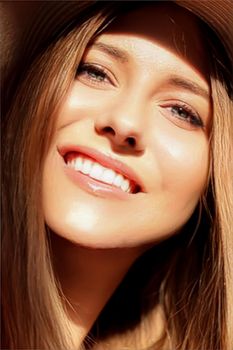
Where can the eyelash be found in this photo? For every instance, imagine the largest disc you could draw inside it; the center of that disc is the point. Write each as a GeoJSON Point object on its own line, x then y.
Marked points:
{"type": "Point", "coordinates": [190, 117]}
{"type": "Point", "coordinates": [89, 69]}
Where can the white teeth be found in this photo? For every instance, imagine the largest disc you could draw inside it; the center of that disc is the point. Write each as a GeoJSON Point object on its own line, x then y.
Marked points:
{"type": "Point", "coordinates": [71, 164]}
{"type": "Point", "coordinates": [125, 185]}
{"type": "Point", "coordinates": [98, 172]}
{"type": "Point", "coordinates": [118, 180]}
{"type": "Point", "coordinates": [78, 163]}
{"type": "Point", "coordinates": [87, 165]}
{"type": "Point", "coordinates": [108, 176]}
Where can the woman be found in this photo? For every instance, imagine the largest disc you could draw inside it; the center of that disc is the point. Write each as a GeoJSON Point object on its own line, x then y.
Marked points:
{"type": "Point", "coordinates": [117, 181]}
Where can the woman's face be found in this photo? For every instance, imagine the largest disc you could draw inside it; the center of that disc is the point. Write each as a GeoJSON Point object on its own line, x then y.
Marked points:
{"type": "Point", "coordinates": [129, 158]}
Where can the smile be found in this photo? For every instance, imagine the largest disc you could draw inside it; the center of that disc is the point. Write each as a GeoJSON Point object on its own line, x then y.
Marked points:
{"type": "Point", "coordinates": [101, 169]}
{"type": "Point", "coordinates": [98, 172]}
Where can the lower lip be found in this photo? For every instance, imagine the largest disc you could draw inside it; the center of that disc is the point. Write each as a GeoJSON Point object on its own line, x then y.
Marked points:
{"type": "Point", "coordinates": [95, 187]}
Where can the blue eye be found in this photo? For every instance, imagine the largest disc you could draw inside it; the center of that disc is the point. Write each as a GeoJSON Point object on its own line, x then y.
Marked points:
{"type": "Point", "coordinates": [186, 113]}
{"type": "Point", "coordinates": [93, 73]}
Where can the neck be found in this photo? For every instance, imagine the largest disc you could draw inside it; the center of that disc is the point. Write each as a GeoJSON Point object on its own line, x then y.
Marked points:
{"type": "Point", "coordinates": [88, 278]}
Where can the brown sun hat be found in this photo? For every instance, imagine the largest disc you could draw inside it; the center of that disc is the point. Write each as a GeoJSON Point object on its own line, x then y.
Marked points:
{"type": "Point", "coordinates": [40, 22]}
{"type": "Point", "coordinates": [218, 14]}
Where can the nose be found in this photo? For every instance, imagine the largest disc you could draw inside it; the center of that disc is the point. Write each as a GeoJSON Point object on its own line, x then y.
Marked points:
{"type": "Point", "coordinates": [124, 127]}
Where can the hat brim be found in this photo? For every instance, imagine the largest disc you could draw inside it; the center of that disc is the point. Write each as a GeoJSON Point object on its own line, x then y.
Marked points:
{"type": "Point", "coordinates": [218, 14]}
{"type": "Point", "coordinates": [46, 18]}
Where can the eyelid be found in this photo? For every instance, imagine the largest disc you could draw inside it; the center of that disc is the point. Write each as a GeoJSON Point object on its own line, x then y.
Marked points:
{"type": "Point", "coordinates": [98, 67]}
{"type": "Point", "coordinates": [189, 109]}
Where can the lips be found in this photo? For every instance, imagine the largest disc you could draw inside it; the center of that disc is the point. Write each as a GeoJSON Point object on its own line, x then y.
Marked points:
{"type": "Point", "coordinates": [125, 178]}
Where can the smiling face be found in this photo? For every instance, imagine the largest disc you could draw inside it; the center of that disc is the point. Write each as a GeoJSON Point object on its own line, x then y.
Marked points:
{"type": "Point", "coordinates": [129, 157]}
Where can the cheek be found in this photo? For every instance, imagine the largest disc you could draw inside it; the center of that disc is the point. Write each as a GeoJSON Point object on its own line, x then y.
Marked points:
{"type": "Point", "coordinates": [63, 205]}
{"type": "Point", "coordinates": [81, 103]}
{"type": "Point", "coordinates": [183, 162]}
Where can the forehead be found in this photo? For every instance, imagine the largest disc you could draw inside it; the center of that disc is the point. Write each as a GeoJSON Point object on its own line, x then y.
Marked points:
{"type": "Point", "coordinates": [167, 25]}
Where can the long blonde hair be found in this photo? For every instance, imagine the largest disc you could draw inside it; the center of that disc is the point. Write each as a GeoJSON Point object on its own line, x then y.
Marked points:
{"type": "Point", "coordinates": [187, 278]}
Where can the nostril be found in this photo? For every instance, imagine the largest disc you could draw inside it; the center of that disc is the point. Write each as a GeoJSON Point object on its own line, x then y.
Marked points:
{"type": "Point", "coordinates": [109, 130]}
{"type": "Point", "coordinates": [131, 141]}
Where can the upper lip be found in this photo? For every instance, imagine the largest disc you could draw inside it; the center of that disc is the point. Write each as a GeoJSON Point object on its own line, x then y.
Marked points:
{"type": "Point", "coordinates": [105, 160]}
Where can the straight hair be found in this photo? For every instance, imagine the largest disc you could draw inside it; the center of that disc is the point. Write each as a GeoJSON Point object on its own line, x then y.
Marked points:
{"type": "Point", "coordinates": [184, 283]}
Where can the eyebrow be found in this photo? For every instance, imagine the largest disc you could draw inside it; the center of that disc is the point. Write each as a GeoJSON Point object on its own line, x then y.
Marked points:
{"type": "Point", "coordinates": [174, 80]}
{"type": "Point", "coordinates": [115, 52]}
{"type": "Point", "coordinates": [188, 85]}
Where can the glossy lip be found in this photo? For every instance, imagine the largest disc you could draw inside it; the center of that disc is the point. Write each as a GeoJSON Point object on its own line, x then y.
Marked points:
{"type": "Point", "coordinates": [104, 160]}
{"type": "Point", "coordinates": [95, 187]}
